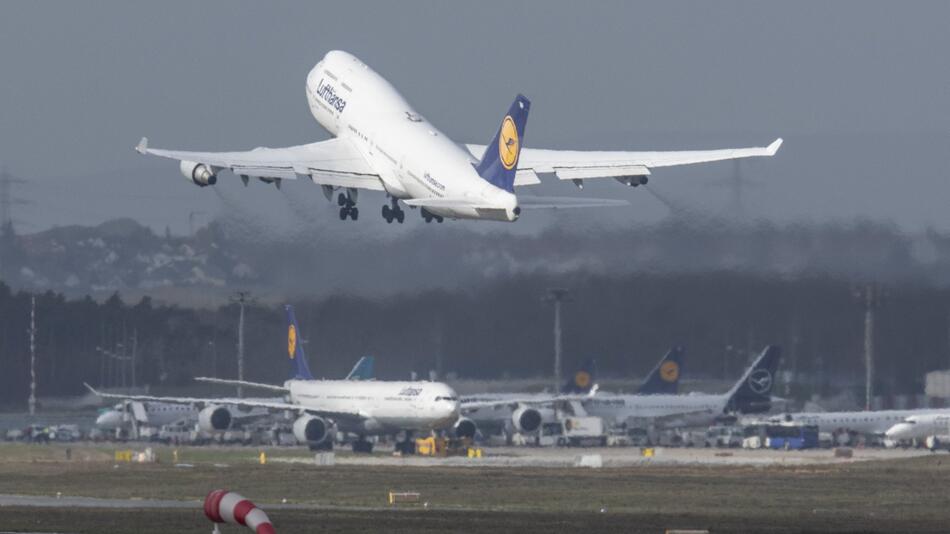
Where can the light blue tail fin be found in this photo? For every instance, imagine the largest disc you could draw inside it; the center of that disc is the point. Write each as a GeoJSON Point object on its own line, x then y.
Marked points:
{"type": "Point", "coordinates": [298, 360]}
{"type": "Point", "coordinates": [500, 161]}
{"type": "Point", "coordinates": [665, 377]}
{"type": "Point", "coordinates": [363, 370]}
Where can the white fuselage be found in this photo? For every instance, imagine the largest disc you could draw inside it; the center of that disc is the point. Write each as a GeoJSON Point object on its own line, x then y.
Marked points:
{"type": "Point", "coordinates": [665, 410]}
{"type": "Point", "coordinates": [385, 406]}
{"type": "Point", "coordinates": [156, 414]}
{"type": "Point", "coordinates": [921, 426]}
{"type": "Point", "coordinates": [868, 422]}
{"type": "Point", "coordinates": [413, 159]}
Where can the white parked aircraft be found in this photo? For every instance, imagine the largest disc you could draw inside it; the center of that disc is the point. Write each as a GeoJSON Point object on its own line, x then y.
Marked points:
{"type": "Point", "coordinates": [922, 426]}
{"type": "Point", "coordinates": [132, 414]}
{"type": "Point", "coordinates": [524, 413]}
{"type": "Point", "coordinates": [382, 144]}
{"type": "Point", "coordinates": [359, 407]}
{"type": "Point", "coordinates": [751, 394]}
{"type": "Point", "coordinates": [866, 422]}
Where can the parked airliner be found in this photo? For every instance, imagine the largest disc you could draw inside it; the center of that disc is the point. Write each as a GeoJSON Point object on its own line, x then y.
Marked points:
{"type": "Point", "coordinates": [360, 407]}
{"type": "Point", "coordinates": [751, 394]}
{"type": "Point", "coordinates": [381, 143]}
{"type": "Point", "coordinates": [922, 425]}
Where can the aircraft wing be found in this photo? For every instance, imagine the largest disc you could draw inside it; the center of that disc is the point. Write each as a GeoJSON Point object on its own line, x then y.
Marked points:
{"type": "Point", "coordinates": [242, 403]}
{"type": "Point", "coordinates": [537, 400]}
{"type": "Point", "coordinates": [335, 162]}
{"type": "Point", "coordinates": [242, 383]}
{"type": "Point", "coordinates": [583, 164]}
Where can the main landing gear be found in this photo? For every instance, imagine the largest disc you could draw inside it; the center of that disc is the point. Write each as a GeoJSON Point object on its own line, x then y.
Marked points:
{"type": "Point", "coordinates": [392, 211]}
{"type": "Point", "coordinates": [429, 217]}
{"type": "Point", "coordinates": [363, 445]}
{"type": "Point", "coordinates": [406, 446]}
{"type": "Point", "coordinates": [347, 207]}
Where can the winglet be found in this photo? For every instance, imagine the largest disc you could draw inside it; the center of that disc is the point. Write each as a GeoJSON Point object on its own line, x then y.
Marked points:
{"type": "Point", "coordinates": [142, 147]}
{"type": "Point", "coordinates": [773, 148]}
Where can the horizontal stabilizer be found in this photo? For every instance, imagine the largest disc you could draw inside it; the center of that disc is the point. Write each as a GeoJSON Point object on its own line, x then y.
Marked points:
{"type": "Point", "coordinates": [537, 203]}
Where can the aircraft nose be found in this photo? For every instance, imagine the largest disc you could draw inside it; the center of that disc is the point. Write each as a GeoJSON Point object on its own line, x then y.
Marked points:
{"type": "Point", "coordinates": [108, 419]}
{"type": "Point", "coordinates": [897, 431]}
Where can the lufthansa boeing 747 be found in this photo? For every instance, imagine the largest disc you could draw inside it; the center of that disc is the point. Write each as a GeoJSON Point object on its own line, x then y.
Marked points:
{"type": "Point", "coordinates": [382, 144]}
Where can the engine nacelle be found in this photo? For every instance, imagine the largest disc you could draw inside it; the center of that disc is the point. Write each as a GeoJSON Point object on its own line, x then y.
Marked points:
{"type": "Point", "coordinates": [200, 174]}
{"type": "Point", "coordinates": [311, 429]}
{"type": "Point", "coordinates": [465, 428]}
{"type": "Point", "coordinates": [526, 419]}
{"type": "Point", "coordinates": [214, 419]}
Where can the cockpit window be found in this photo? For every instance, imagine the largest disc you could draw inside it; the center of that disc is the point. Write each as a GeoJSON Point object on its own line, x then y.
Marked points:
{"type": "Point", "coordinates": [453, 399]}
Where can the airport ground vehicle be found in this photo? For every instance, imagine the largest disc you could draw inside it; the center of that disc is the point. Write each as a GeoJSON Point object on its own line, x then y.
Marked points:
{"type": "Point", "coordinates": [724, 436]}
{"type": "Point", "coordinates": [574, 432]}
{"type": "Point", "coordinates": [791, 436]}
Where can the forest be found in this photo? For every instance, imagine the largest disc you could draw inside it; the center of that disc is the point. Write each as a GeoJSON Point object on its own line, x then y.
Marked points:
{"type": "Point", "coordinates": [502, 328]}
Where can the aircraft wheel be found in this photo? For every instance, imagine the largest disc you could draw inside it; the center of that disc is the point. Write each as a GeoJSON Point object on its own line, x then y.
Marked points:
{"type": "Point", "coordinates": [341, 199]}
{"type": "Point", "coordinates": [354, 213]}
{"type": "Point", "coordinates": [343, 213]}
{"type": "Point", "coordinates": [400, 216]}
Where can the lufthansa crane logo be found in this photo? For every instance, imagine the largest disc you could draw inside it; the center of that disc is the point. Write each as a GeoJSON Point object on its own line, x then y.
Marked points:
{"type": "Point", "coordinates": [292, 341]}
{"type": "Point", "coordinates": [669, 371]}
{"type": "Point", "coordinates": [508, 143]}
{"type": "Point", "coordinates": [582, 379]}
{"type": "Point", "coordinates": [760, 381]}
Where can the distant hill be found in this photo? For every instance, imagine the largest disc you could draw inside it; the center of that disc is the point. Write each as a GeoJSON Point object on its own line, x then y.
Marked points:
{"type": "Point", "coordinates": [123, 255]}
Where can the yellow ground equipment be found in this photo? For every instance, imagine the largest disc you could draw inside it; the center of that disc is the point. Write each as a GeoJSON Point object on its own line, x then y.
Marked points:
{"type": "Point", "coordinates": [433, 446]}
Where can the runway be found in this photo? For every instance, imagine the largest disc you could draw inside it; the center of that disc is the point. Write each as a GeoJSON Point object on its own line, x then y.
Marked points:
{"type": "Point", "coordinates": [553, 457]}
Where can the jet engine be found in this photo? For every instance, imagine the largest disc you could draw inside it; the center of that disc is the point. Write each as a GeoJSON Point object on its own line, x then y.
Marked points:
{"type": "Point", "coordinates": [214, 419]}
{"type": "Point", "coordinates": [200, 174]}
{"type": "Point", "coordinates": [526, 419]}
{"type": "Point", "coordinates": [465, 428]}
{"type": "Point", "coordinates": [311, 429]}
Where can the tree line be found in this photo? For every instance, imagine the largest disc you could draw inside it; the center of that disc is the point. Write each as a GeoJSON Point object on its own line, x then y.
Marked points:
{"type": "Point", "coordinates": [502, 327]}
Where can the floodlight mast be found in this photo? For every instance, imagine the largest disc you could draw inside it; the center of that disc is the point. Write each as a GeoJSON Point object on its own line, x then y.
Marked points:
{"type": "Point", "coordinates": [557, 296]}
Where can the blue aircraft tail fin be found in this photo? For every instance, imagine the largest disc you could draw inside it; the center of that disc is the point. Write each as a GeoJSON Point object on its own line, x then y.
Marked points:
{"type": "Point", "coordinates": [298, 360]}
{"type": "Point", "coordinates": [500, 161]}
{"type": "Point", "coordinates": [753, 392]}
{"type": "Point", "coordinates": [363, 370]}
{"type": "Point", "coordinates": [665, 377]}
{"type": "Point", "coordinates": [583, 379]}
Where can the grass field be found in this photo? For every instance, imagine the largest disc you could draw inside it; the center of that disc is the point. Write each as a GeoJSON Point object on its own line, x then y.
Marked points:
{"type": "Point", "coordinates": [885, 496]}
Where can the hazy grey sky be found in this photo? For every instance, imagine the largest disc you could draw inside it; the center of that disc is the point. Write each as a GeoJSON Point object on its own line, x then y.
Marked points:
{"type": "Point", "coordinates": [859, 90]}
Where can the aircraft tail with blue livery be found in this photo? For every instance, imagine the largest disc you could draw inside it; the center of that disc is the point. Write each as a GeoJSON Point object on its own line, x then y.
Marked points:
{"type": "Point", "coordinates": [753, 392]}
{"type": "Point", "coordinates": [583, 380]}
{"type": "Point", "coordinates": [664, 379]}
{"type": "Point", "coordinates": [299, 370]}
{"type": "Point", "coordinates": [500, 160]}
{"type": "Point", "coordinates": [363, 370]}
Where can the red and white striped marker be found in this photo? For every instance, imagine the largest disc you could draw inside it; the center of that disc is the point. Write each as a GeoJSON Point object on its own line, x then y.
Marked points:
{"type": "Point", "coordinates": [223, 506]}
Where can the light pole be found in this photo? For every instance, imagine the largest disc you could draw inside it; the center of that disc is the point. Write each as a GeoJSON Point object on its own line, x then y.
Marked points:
{"type": "Point", "coordinates": [557, 296]}
{"type": "Point", "coordinates": [242, 297]}
{"type": "Point", "coordinates": [32, 399]}
{"type": "Point", "coordinates": [870, 297]}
